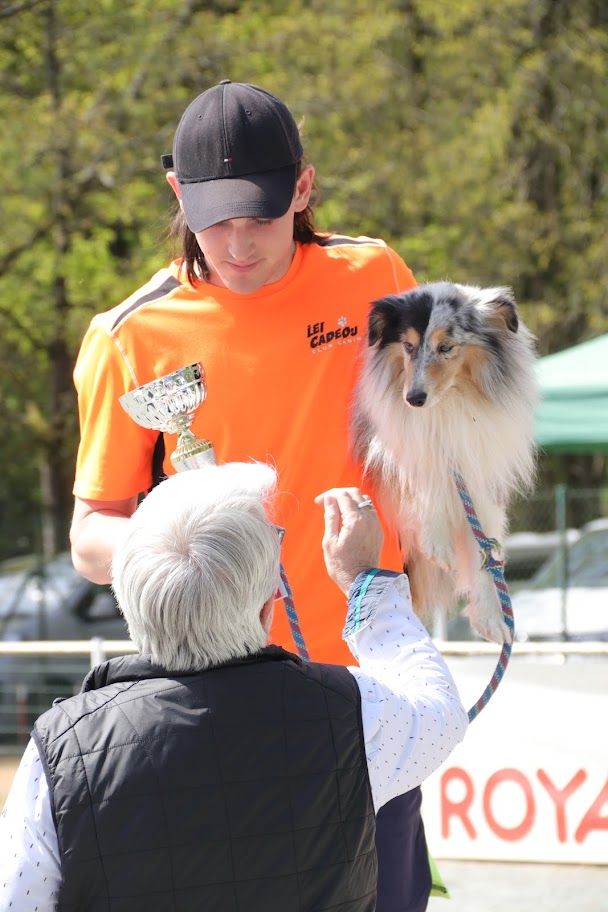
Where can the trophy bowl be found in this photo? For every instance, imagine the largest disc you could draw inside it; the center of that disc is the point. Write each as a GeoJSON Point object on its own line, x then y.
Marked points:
{"type": "Point", "coordinates": [168, 404]}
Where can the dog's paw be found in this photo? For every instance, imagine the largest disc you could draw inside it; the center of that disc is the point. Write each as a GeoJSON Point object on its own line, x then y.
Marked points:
{"type": "Point", "coordinates": [485, 613]}
{"type": "Point", "coordinates": [491, 627]}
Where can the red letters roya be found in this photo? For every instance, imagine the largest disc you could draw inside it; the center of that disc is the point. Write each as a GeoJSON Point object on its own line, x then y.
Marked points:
{"type": "Point", "coordinates": [463, 809]}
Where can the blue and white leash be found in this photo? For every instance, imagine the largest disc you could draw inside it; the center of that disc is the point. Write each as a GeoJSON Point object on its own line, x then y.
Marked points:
{"type": "Point", "coordinates": [495, 569]}
{"type": "Point", "coordinates": [489, 563]}
{"type": "Point", "coordinates": [292, 617]}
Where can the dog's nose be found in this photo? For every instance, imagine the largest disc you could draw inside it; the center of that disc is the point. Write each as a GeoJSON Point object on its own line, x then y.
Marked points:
{"type": "Point", "coordinates": [416, 397]}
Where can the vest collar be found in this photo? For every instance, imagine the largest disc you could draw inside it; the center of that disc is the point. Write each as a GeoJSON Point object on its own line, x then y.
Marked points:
{"type": "Point", "coordinates": [141, 667]}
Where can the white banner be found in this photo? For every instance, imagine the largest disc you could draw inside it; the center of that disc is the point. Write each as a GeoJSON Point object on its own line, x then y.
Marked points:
{"type": "Point", "coordinates": [530, 780]}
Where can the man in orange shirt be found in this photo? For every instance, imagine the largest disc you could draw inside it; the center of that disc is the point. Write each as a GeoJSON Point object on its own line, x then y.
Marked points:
{"type": "Point", "coordinates": [276, 313]}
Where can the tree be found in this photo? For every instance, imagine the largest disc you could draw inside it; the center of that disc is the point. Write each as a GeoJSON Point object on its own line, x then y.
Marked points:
{"type": "Point", "coordinates": [81, 127]}
{"type": "Point", "coordinates": [471, 136]}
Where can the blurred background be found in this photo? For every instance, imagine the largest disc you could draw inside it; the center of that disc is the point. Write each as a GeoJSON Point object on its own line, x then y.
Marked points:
{"type": "Point", "coordinates": [472, 136]}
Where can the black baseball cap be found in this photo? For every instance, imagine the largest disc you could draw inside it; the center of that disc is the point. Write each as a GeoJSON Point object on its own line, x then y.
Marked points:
{"type": "Point", "coordinates": [235, 153]}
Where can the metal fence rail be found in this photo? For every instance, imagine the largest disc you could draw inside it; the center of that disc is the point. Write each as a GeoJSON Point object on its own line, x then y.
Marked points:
{"type": "Point", "coordinates": [98, 649]}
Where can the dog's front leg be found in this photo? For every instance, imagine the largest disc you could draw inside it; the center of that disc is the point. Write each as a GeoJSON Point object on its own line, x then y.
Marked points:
{"type": "Point", "coordinates": [484, 609]}
{"type": "Point", "coordinates": [436, 541]}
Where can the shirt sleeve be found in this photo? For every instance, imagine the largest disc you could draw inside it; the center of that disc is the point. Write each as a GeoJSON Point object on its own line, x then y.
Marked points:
{"type": "Point", "coordinates": [411, 711]}
{"type": "Point", "coordinates": [102, 374]}
{"type": "Point", "coordinates": [31, 870]}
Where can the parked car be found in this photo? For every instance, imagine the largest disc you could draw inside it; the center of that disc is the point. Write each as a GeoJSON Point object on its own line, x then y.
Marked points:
{"type": "Point", "coordinates": [48, 603]}
{"type": "Point", "coordinates": [568, 596]}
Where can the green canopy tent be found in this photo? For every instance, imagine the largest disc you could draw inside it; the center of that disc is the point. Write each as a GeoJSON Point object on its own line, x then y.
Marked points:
{"type": "Point", "coordinates": [573, 413]}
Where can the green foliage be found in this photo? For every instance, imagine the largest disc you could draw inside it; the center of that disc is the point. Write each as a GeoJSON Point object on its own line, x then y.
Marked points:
{"type": "Point", "coordinates": [472, 136]}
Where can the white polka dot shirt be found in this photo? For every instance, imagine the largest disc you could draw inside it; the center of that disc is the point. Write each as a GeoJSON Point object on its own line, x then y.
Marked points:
{"type": "Point", "coordinates": [30, 871]}
{"type": "Point", "coordinates": [412, 714]}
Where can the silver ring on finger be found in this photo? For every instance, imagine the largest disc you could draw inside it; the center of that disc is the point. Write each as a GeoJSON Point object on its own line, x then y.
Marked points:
{"type": "Point", "coordinates": [365, 504]}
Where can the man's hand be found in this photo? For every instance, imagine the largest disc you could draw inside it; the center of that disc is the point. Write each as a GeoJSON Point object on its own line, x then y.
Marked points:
{"type": "Point", "coordinates": [353, 535]}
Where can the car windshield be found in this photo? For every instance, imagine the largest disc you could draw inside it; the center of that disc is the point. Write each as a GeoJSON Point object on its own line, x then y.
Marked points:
{"type": "Point", "coordinates": [586, 562]}
{"type": "Point", "coordinates": [23, 591]}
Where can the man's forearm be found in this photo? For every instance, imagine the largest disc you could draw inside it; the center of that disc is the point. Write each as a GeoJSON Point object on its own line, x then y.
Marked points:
{"type": "Point", "coordinates": [94, 536]}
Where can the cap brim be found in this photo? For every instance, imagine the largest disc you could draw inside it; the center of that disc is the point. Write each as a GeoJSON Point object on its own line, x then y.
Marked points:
{"type": "Point", "coordinates": [267, 195]}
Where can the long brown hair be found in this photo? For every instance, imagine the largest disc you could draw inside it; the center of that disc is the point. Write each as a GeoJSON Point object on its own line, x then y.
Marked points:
{"type": "Point", "coordinates": [193, 260]}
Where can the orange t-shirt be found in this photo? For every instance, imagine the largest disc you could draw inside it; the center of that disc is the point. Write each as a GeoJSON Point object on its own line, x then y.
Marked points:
{"type": "Point", "coordinates": [280, 366]}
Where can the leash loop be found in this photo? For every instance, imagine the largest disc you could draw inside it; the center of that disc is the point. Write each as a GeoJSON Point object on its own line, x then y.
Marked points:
{"type": "Point", "coordinates": [495, 567]}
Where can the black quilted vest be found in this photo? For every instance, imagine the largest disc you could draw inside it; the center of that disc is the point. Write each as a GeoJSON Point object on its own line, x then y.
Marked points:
{"type": "Point", "coordinates": [243, 788]}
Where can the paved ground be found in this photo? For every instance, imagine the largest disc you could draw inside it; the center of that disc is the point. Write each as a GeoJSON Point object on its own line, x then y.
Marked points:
{"type": "Point", "coordinates": [477, 886]}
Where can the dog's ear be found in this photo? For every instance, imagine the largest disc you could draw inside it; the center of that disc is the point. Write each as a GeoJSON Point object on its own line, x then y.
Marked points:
{"type": "Point", "coordinates": [384, 320]}
{"type": "Point", "coordinates": [500, 307]}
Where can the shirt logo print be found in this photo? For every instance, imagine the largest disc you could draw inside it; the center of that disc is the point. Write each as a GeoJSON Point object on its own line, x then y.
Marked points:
{"type": "Point", "coordinates": [322, 336]}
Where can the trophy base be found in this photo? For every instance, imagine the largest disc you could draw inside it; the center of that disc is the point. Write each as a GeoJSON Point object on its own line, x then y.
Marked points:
{"type": "Point", "coordinates": [194, 458]}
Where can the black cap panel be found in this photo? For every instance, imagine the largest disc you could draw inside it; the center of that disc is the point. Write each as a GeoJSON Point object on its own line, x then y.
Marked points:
{"type": "Point", "coordinates": [232, 129]}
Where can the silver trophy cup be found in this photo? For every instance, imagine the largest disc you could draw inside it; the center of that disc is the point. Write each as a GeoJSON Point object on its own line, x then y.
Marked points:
{"type": "Point", "coordinates": [168, 404]}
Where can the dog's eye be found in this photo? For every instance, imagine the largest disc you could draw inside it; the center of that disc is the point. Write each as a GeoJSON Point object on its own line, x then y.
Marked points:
{"type": "Point", "coordinates": [445, 347]}
{"type": "Point", "coordinates": [408, 347]}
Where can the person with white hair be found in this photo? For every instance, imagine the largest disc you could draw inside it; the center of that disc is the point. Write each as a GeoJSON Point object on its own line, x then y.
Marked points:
{"type": "Point", "coordinates": [212, 771]}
